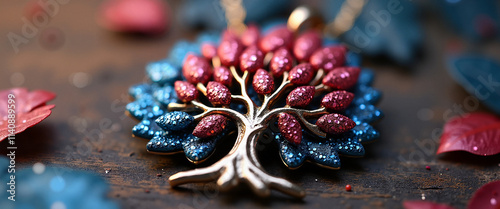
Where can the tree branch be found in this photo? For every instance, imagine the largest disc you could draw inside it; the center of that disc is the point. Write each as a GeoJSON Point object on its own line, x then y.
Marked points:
{"type": "Point", "coordinates": [301, 113]}
{"type": "Point", "coordinates": [268, 100]}
{"type": "Point", "coordinates": [243, 81]}
{"type": "Point", "coordinates": [235, 115]}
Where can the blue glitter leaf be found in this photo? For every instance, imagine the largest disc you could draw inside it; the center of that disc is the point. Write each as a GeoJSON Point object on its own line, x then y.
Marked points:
{"type": "Point", "coordinates": [165, 95]}
{"type": "Point", "coordinates": [163, 72]}
{"type": "Point", "coordinates": [323, 153]}
{"type": "Point", "coordinates": [140, 90]}
{"type": "Point", "coordinates": [365, 132]}
{"type": "Point", "coordinates": [143, 108]}
{"type": "Point", "coordinates": [208, 37]}
{"type": "Point", "coordinates": [174, 121]}
{"type": "Point", "coordinates": [364, 113]}
{"type": "Point", "coordinates": [366, 77]}
{"type": "Point", "coordinates": [197, 149]}
{"type": "Point", "coordinates": [366, 95]}
{"type": "Point", "coordinates": [180, 50]}
{"type": "Point", "coordinates": [348, 144]}
{"type": "Point", "coordinates": [352, 59]}
{"type": "Point", "coordinates": [147, 129]}
{"type": "Point", "coordinates": [291, 154]}
{"type": "Point", "coordinates": [170, 142]}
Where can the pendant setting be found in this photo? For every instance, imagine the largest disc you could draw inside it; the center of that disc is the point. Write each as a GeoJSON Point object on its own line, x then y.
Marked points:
{"type": "Point", "coordinates": [322, 107]}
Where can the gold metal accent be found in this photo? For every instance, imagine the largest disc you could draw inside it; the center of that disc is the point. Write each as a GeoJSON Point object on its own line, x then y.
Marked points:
{"type": "Point", "coordinates": [241, 164]}
{"type": "Point", "coordinates": [346, 17]}
{"type": "Point", "coordinates": [235, 15]}
{"type": "Point", "coordinates": [304, 17]}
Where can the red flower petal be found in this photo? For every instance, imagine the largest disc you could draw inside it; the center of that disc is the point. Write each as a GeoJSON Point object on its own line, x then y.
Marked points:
{"type": "Point", "coordinates": [251, 59]}
{"type": "Point", "coordinates": [486, 197]}
{"type": "Point", "coordinates": [262, 82]}
{"type": "Point", "coordinates": [477, 133]}
{"type": "Point", "coordinates": [301, 96]}
{"type": "Point", "coordinates": [290, 128]}
{"type": "Point", "coordinates": [29, 106]}
{"type": "Point", "coordinates": [196, 69]}
{"type": "Point", "coordinates": [306, 44]}
{"type": "Point", "coordinates": [419, 204]}
{"type": "Point", "coordinates": [185, 91]}
{"type": "Point", "coordinates": [278, 37]}
{"type": "Point", "coordinates": [142, 16]}
{"type": "Point", "coordinates": [218, 94]}
{"type": "Point", "coordinates": [282, 61]}
{"type": "Point", "coordinates": [210, 126]}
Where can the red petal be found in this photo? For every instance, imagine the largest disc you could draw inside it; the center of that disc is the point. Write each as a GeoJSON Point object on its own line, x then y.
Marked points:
{"type": "Point", "coordinates": [26, 120]}
{"type": "Point", "coordinates": [223, 75]}
{"type": "Point", "coordinates": [290, 128]}
{"type": "Point", "coordinates": [185, 91]}
{"type": "Point", "coordinates": [486, 197]}
{"type": "Point", "coordinates": [210, 126]}
{"type": "Point", "coordinates": [301, 96]}
{"type": "Point", "coordinates": [342, 77]}
{"type": "Point", "coordinates": [477, 133]}
{"type": "Point", "coordinates": [335, 123]}
{"type": "Point", "coordinates": [250, 36]}
{"type": "Point", "coordinates": [328, 58]}
{"type": "Point", "coordinates": [251, 59]}
{"type": "Point", "coordinates": [279, 37]}
{"type": "Point", "coordinates": [306, 44]}
{"type": "Point", "coordinates": [218, 94]}
{"type": "Point", "coordinates": [282, 61]}
{"type": "Point", "coordinates": [337, 100]}
{"type": "Point", "coordinates": [25, 101]}
{"type": "Point", "coordinates": [208, 51]}
{"type": "Point", "coordinates": [143, 16]}
{"type": "Point", "coordinates": [230, 49]}
{"type": "Point", "coordinates": [301, 74]}
{"type": "Point", "coordinates": [262, 82]}
{"type": "Point", "coordinates": [418, 204]}
{"type": "Point", "coordinates": [196, 69]}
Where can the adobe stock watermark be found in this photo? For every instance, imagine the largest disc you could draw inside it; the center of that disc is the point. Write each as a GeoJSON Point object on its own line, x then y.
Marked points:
{"type": "Point", "coordinates": [30, 28]}
{"type": "Point", "coordinates": [381, 19]}
{"type": "Point", "coordinates": [11, 148]}
{"type": "Point", "coordinates": [427, 147]}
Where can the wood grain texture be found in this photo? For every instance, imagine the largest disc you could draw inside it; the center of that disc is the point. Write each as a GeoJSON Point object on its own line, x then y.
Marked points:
{"type": "Point", "coordinates": [88, 130]}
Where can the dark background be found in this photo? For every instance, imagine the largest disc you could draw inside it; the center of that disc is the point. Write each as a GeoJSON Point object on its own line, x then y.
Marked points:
{"type": "Point", "coordinates": [88, 130]}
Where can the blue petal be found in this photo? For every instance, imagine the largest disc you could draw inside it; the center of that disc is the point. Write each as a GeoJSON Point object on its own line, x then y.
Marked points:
{"type": "Point", "coordinates": [323, 153]}
{"type": "Point", "coordinates": [165, 95]}
{"type": "Point", "coordinates": [292, 155]}
{"type": "Point", "coordinates": [349, 144]}
{"type": "Point", "coordinates": [363, 113]}
{"type": "Point", "coordinates": [365, 132]}
{"type": "Point", "coordinates": [197, 149]}
{"type": "Point", "coordinates": [366, 95]}
{"type": "Point", "coordinates": [147, 129]}
{"type": "Point", "coordinates": [174, 121]}
{"type": "Point", "coordinates": [163, 72]}
{"type": "Point", "coordinates": [170, 142]}
{"type": "Point", "coordinates": [180, 50]}
{"type": "Point", "coordinates": [143, 108]}
{"type": "Point", "coordinates": [366, 77]}
{"type": "Point", "coordinates": [140, 90]}
{"type": "Point", "coordinates": [353, 59]}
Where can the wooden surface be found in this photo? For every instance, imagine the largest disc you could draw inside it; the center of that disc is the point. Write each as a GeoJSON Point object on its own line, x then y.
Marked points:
{"type": "Point", "coordinates": [88, 130]}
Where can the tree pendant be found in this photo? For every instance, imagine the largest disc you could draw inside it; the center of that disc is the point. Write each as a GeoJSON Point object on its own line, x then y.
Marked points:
{"type": "Point", "coordinates": [242, 82]}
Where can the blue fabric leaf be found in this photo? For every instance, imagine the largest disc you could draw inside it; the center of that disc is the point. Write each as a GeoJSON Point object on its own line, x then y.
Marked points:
{"type": "Point", "coordinates": [479, 76]}
{"type": "Point", "coordinates": [365, 132]}
{"type": "Point", "coordinates": [147, 129]}
{"type": "Point", "coordinates": [323, 153]}
{"type": "Point", "coordinates": [144, 108]}
{"type": "Point", "coordinates": [291, 154]}
{"type": "Point", "coordinates": [174, 121]}
{"type": "Point", "coordinates": [197, 149]}
{"type": "Point", "coordinates": [170, 142]}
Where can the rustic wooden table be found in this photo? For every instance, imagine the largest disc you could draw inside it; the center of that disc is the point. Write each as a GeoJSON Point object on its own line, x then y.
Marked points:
{"type": "Point", "coordinates": [92, 69]}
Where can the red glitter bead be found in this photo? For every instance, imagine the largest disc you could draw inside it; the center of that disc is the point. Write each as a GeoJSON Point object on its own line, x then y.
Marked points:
{"type": "Point", "coordinates": [348, 188]}
{"type": "Point", "coordinates": [328, 58]}
{"type": "Point", "coordinates": [210, 126]}
{"type": "Point", "coordinates": [251, 59]}
{"type": "Point", "coordinates": [262, 82]}
{"type": "Point", "coordinates": [208, 51]}
{"type": "Point", "coordinates": [218, 94]}
{"type": "Point", "coordinates": [427, 167]}
{"type": "Point", "coordinates": [335, 123]}
{"type": "Point", "coordinates": [337, 100]}
{"type": "Point", "coordinates": [185, 91]}
{"type": "Point", "coordinates": [230, 49]}
{"type": "Point", "coordinates": [223, 75]}
{"type": "Point", "coordinates": [250, 36]}
{"type": "Point", "coordinates": [290, 128]}
{"type": "Point", "coordinates": [280, 36]}
{"type": "Point", "coordinates": [306, 44]}
{"type": "Point", "coordinates": [342, 77]}
{"type": "Point", "coordinates": [196, 69]}
{"type": "Point", "coordinates": [301, 96]}
{"type": "Point", "coordinates": [282, 61]}
{"type": "Point", "coordinates": [301, 74]}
